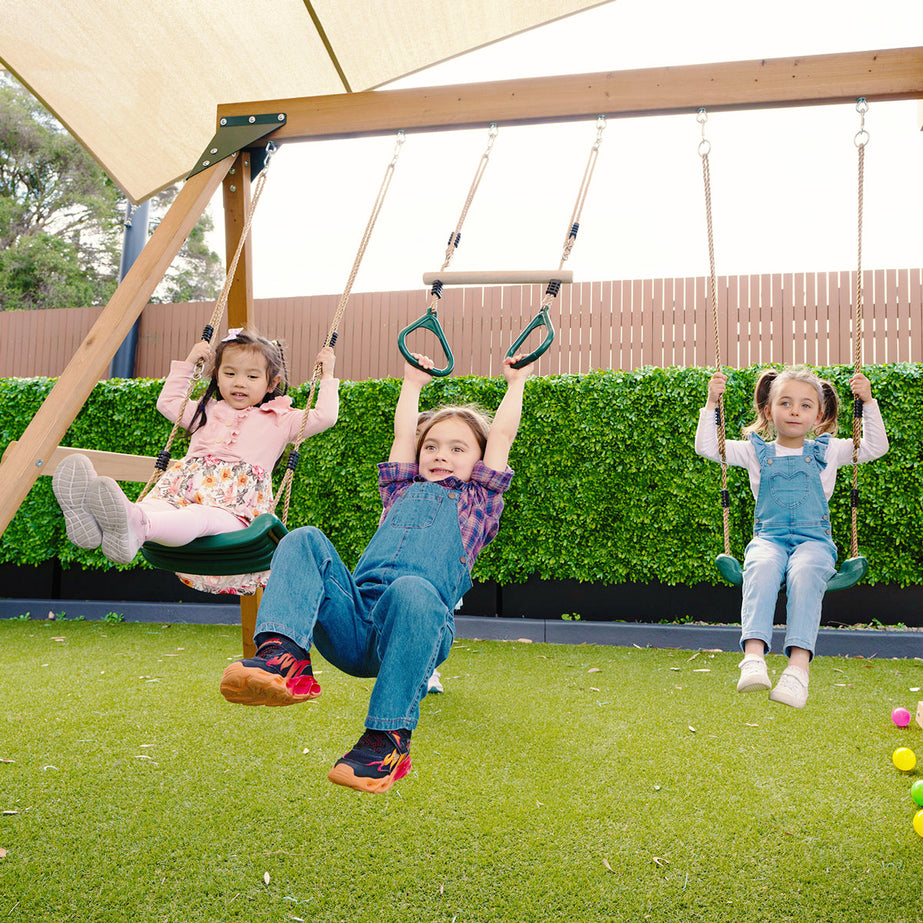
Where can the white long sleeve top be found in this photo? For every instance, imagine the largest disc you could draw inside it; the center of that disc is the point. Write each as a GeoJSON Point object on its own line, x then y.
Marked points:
{"type": "Point", "coordinates": [740, 452]}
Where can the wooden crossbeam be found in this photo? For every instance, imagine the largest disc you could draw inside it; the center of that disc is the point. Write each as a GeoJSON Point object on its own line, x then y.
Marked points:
{"type": "Point", "coordinates": [889, 74]}
{"type": "Point", "coordinates": [117, 465]}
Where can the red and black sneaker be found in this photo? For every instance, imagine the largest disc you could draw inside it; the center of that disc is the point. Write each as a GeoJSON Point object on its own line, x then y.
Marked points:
{"type": "Point", "coordinates": [279, 674]}
{"type": "Point", "coordinates": [377, 761]}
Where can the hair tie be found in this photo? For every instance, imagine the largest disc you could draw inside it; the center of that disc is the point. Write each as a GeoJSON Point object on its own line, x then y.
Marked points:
{"type": "Point", "coordinates": [232, 333]}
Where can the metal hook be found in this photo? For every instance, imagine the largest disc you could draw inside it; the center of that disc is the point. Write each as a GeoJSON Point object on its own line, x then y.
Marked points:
{"type": "Point", "coordinates": [861, 138]}
{"type": "Point", "coordinates": [401, 138]}
{"type": "Point", "coordinates": [704, 145]}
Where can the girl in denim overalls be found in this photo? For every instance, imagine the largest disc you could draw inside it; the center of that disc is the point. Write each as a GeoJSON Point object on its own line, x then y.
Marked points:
{"type": "Point", "coordinates": [792, 479]}
{"type": "Point", "coordinates": [392, 617]}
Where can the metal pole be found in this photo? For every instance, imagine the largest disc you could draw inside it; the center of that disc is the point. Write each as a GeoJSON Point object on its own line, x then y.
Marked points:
{"type": "Point", "coordinates": [133, 241]}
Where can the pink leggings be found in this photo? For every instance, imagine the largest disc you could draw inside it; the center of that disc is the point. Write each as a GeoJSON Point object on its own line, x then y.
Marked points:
{"type": "Point", "coordinates": [170, 525]}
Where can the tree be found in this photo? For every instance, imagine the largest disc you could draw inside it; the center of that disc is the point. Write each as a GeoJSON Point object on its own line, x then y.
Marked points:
{"type": "Point", "coordinates": [197, 272]}
{"type": "Point", "coordinates": [61, 219]}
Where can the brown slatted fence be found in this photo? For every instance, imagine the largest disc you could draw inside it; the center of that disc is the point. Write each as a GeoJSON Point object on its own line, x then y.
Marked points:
{"type": "Point", "coordinates": [620, 324]}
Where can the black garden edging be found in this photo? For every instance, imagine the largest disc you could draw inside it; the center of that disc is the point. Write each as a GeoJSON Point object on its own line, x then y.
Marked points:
{"type": "Point", "coordinates": [831, 641]}
{"type": "Point", "coordinates": [622, 614]}
{"type": "Point", "coordinates": [531, 600]}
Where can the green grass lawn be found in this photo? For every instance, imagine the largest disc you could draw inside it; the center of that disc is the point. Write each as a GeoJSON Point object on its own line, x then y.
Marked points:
{"type": "Point", "coordinates": [549, 783]}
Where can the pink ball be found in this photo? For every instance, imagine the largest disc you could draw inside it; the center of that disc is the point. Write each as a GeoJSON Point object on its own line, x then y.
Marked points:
{"type": "Point", "coordinates": [901, 717]}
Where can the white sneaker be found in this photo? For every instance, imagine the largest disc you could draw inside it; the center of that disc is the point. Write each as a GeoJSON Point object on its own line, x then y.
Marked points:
{"type": "Point", "coordinates": [70, 482]}
{"type": "Point", "coordinates": [753, 674]}
{"type": "Point", "coordinates": [792, 688]}
{"type": "Point", "coordinates": [121, 521]}
{"type": "Point", "coordinates": [434, 684]}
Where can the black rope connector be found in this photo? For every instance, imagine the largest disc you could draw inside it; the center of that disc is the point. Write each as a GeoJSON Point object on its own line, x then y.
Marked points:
{"type": "Point", "coordinates": [718, 416]}
{"type": "Point", "coordinates": [554, 286]}
{"type": "Point", "coordinates": [292, 462]}
{"type": "Point", "coordinates": [163, 460]}
{"type": "Point", "coordinates": [573, 230]}
{"type": "Point", "coordinates": [207, 333]}
{"type": "Point", "coordinates": [454, 238]}
{"type": "Point", "coordinates": [437, 289]}
{"type": "Point", "coordinates": [857, 408]}
{"type": "Point", "coordinates": [854, 498]}
{"type": "Point", "coordinates": [333, 339]}
{"type": "Point", "coordinates": [726, 499]}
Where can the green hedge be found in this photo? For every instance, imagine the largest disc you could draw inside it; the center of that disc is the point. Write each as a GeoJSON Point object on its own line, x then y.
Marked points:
{"type": "Point", "coordinates": [607, 487]}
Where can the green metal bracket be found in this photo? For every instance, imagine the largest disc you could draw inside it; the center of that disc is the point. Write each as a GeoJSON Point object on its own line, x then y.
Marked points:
{"type": "Point", "coordinates": [235, 133]}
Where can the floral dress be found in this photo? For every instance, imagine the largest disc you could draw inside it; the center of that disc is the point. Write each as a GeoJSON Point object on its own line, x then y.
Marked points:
{"type": "Point", "coordinates": [238, 487]}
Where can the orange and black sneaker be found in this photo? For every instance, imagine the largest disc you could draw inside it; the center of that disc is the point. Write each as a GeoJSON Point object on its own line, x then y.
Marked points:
{"type": "Point", "coordinates": [377, 761]}
{"type": "Point", "coordinates": [279, 674]}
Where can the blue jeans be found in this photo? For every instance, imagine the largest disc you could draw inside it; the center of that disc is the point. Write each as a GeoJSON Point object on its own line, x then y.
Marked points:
{"type": "Point", "coordinates": [390, 620]}
{"type": "Point", "coordinates": [804, 568]}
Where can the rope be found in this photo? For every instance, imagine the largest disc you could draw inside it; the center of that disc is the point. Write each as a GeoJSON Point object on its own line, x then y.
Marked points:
{"type": "Point", "coordinates": [574, 225]}
{"type": "Point", "coordinates": [704, 150]}
{"type": "Point", "coordinates": [455, 236]}
{"type": "Point", "coordinates": [860, 140]}
{"type": "Point", "coordinates": [285, 488]}
{"type": "Point", "coordinates": [164, 457]}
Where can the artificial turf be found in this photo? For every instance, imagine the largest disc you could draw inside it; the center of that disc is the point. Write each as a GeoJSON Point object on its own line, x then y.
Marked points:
{"type": "Point", "coordinates": [549, 783]}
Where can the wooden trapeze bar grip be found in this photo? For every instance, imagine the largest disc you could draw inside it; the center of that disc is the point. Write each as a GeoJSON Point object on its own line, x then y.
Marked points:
{"type": "Point", "coordinates": [499, 277]}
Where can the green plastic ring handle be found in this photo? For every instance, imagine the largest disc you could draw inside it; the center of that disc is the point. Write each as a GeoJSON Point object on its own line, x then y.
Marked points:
{"type": "Point", "coordinates": [428, 321]}
{"type": "Point", "coordinates": [540, 320]}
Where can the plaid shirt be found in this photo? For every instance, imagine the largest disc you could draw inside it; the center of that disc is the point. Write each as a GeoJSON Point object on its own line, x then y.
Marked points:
{"type": "Point", "coordinates": [480, 500]}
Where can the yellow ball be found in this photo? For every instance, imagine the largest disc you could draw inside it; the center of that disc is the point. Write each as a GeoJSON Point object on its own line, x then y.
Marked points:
{"type": "Point", "coordinates": [904, 758]}
{"type": "Point", "coordinates": [918, 822]}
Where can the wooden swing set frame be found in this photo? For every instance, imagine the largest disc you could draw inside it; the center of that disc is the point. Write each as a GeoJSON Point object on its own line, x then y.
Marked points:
{"type": "Point", "coordinates": [886, 75]}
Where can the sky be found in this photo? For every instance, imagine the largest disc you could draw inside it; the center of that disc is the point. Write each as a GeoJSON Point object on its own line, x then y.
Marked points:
{"type": "Point", "coordinates": [784, 181]}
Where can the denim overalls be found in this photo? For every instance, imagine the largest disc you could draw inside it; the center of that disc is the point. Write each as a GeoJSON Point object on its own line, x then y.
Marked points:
{"type": "Point", "coordinates": [791, 544]}
{"type": "Point", "coordinates": [392, 617]}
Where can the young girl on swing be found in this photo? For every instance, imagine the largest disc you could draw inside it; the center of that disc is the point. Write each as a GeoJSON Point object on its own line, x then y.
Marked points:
{"type": "Point", "coordinates": [238, 431]}
{"type": "Point", "coordinates": [792, 478]}
{"type": "Point", "coordinates": [392, 617]}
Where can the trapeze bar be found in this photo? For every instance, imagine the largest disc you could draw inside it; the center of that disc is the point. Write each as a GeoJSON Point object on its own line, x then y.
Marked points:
{"type": "Point", "coordinates": [499, 277]}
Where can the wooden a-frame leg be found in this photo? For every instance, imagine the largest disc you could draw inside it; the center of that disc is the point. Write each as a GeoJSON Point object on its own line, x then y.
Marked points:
{"type": "Point", "coordinates": [240, 313]}
{"type": "Point", "coordinates": [248, 609]}
{"type": "Point", "coordinates": [21, 467]}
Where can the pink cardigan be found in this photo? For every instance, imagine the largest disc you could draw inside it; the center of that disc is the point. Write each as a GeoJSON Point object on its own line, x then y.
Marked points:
{"type": "Point", "coordinates": [256, 435]}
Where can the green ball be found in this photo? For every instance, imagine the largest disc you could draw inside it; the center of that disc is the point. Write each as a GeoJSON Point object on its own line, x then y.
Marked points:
{"type": "Point", "coordinates": [916, 791]}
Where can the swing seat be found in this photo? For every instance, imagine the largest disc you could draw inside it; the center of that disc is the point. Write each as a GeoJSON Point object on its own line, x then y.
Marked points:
{"type": "Point", "coordinates": [850, 573]}
{"type": "Point", "coordinates": [247, 551]}
{"type": "Point", "coordinates": [729, 568]}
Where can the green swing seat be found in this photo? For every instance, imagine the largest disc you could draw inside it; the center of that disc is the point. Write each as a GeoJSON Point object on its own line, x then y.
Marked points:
{"type": "Point", "coordinates": [850, 573]}
{"type": "Point", "coordinates": [247, 551]}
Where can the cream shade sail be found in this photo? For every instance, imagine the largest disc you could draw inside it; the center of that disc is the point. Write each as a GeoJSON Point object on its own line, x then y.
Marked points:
{"type": "Point", "coordinates": [138, 83]}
